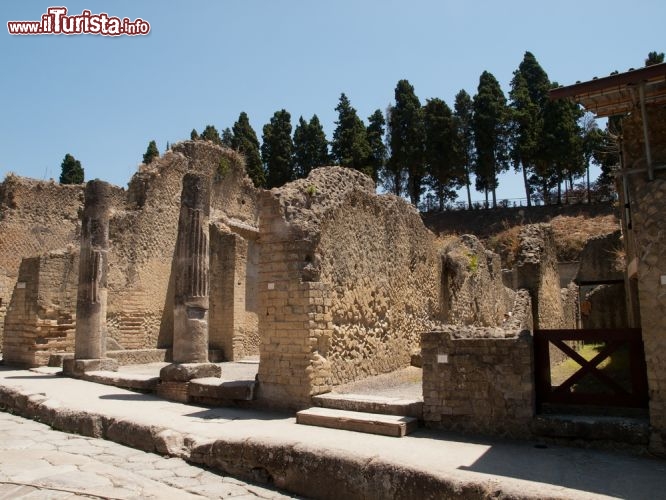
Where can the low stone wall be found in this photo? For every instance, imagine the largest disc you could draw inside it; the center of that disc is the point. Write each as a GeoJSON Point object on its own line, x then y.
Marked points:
{"type": "Point", "coordinates": [481, 380]}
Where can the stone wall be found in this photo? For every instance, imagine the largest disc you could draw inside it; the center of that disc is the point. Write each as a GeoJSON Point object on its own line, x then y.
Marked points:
{"type": "Point", "coordinates": [347, 282]}
{"type": "Point", "coordinates": [481, 380]}
{"type": "Point", "coordinates": [41, 316]}
{"type": "Point", "coordinates": [605, 306]}
{"type": "Point", "coordinates": [40, 216]}
{"type": "Point", "coordinates": [35, 217]}
{"type": "Point", "coordinates": [143, 237]}
{"type": "Point", "coordinates": [473, 292]}
{"type": "Point", "coordinates": [601, 259]}
{"type": "Point", "coordinates": [536, 271]}
{"type": "Point", "coordinates": [233, 294]}
{"type": "Point", "coordinates": [647, 205]}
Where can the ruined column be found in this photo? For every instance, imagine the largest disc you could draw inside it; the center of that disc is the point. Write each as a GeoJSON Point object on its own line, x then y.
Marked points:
{"type": "Point", "coordinates": [190, 335]}
{"type": "Point", "coordinates": [90, 337]}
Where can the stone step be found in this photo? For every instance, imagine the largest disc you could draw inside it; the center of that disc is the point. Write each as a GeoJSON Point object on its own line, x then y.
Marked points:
{"type": "Point", "coordinates": [370, 423]}
{"type": "Point", "coordinates": [216, 389]}
{"type": "Point", "coordinates": [628, 431]}
{"type": "Point", "coordinates": [371, 404]}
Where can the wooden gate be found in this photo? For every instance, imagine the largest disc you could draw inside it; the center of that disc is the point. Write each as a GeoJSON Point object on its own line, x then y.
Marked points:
{"type": "Point", "coordinates": [630, 392]}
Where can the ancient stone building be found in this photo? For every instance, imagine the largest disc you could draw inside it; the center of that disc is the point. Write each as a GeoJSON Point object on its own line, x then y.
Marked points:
{"type": "Point", "coordinates": [640, 96]}
{"type": "Point", "coordinates": [38, 217]}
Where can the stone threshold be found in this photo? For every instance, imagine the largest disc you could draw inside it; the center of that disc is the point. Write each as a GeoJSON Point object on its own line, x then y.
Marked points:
{"type": "Point", "coordinates": [371, 404]}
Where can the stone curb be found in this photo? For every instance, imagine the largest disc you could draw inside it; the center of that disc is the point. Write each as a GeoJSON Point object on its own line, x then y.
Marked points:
{"type": "Point", "coordinates": [293, 467]}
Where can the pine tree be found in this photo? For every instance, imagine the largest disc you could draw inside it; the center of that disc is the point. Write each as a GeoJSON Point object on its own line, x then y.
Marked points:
{"type": "Point", "coordinates": [310, 146]}
{"type": "Point", "coordinates": [210, 133]}
{"type": "Point", "coordinates": [244, 139]}
{"type": "Point", "coordinates": [227, 138]}
{"type": "Point", "coordinates": [151, 153]}
{"type": "Point", "coordinates": [277, 150]}
{"type": "Point", "coordinates": [490, 135]}
{"type": "Point", "coordinates": [375, 135]}
{"type": "Point", "coordinates": [464, 140]}
{"type": "Point", "coordinates": [71, 171]}
{"type": "Point", "coordinates": [350, 142]}
{"type": "Point", "coordinates": [654, 58]}
{"type": "Point", "coordinates": [406, 139]}
{"type": "Point", "coordinates": [439, 150]}
{"type": "Point", "coordinates": [562, 152]}
{"type": "Point", "coordinates": [194, 135]}
{"type": "Point", "coordinates": [529, 95]}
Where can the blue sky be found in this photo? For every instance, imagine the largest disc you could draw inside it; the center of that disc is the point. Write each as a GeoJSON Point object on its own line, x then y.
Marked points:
{"type": "Point", "coordinates": [102, 99]}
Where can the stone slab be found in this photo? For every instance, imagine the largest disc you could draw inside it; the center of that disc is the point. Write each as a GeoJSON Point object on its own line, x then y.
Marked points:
{"type": "Point", "coordinates": [133, 381]}
{"type": "Point", "coordinates": [184, 372]}
{"type": "Point", "coordinates": [79, 367]}
{"type": "Point", "coordinates": [370, 423]}
{"type": "Point", "coordinates": [215, 388]}
{"type": "Point", "coordinates": [371, 404]}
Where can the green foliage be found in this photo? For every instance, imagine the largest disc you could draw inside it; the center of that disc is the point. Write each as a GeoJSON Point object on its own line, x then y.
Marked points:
{"type": "Point", "coordinates": [375, 135]}
{"type": "Point", "coordinates": [529, 95]}
{"type": "Point", "coordinates": [463, 140]}
{"type": "Point", "coordinates": [310, 146]}
{"type": "Point", "coordinates": [311, 190]}
{"type": "Point", "coordinates": [473, 264]}
{"type": "Point", "coordinates": [406, 140]}
{"type": "Point", "coordinates": [71, 171]}
{"type": "Point", "coordinates": [244, 139]}
{"type": "Point", "coordinates": [439, 150]}
{"type": "Point", "coordinates": [194, 135]}
{"type": "Point", "coordinates": [350, 142]}
{"type": "Point", "coordinates": [490, 124]}
{"type": "Point", "coordinates": [227, 138]}
{"type": "Point", "coordinates": [277, 150]}
{"type": "Point", "coordinates": [223, 167]}
{"type": "Point", "coordinates": [151, 153]}
{"type": "Point", "coordinates": [210, 133]}
{"type": "Point", "coordinates": [654, 58]}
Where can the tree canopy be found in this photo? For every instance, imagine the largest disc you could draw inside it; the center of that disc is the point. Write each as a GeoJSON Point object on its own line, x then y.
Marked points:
{"type": "Point", "coordinates": [151, 153]}
{"type": "Point", "coordinates": [71, 171]}
{"type": "Point", "coordinates": [277, 150]}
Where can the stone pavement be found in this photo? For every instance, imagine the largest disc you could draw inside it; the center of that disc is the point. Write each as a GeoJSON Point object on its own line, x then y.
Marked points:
{"type": "Point", "coordinates": [328, 463]}
{"type": "Point", "coordinates": [39, 462]}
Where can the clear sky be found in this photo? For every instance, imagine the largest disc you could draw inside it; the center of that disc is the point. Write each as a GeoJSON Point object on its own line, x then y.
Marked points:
{"type": "Point", "coordinates": [102, 99]}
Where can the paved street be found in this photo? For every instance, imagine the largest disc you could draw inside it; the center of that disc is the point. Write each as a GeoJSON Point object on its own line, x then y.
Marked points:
{"type": "Point", "coordinates": [37, 462]}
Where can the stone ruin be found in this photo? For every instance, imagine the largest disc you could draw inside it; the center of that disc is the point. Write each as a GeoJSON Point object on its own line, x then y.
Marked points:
{"type": "Point", "coordinates": [322, 280]}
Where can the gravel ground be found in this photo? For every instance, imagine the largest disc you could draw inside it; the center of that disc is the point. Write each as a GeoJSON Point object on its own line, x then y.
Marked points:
{"type": "Point", "coordinates": [405, 383]}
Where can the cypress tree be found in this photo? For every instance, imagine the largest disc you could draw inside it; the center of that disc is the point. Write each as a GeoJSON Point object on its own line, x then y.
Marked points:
{"type": "Point", "coordinates": [375, 134]}
{"type": "Point", "coordinates": [277, 150]}
{"type": "Point", "coordinates": [71, 171]}
{"type": "Point", "coordinates": [350, 142]}
{"type": "Point", "coordinates": [406, 139]}
{"type": "Point", "coordinates": [244, 139]}
{"type": "Point", "coordinates": [151, 153]}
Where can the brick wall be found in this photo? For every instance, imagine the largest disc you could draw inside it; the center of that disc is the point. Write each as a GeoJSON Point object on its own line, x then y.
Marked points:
{"type": "Point", "coordinates": [41, 316]}
{"type": "Point", "coordinates": [347, 282]}
{"type": "Point", "coordinates": [481, 379]}
{"type": "Point", "coordinates": [233, 317]}
{"type": "Point", "coordinates": [647, 201]}
{"type": "Point", "coordinates": [35, 217]}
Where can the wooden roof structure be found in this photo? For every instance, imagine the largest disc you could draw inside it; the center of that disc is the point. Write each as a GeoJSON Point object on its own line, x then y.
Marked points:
{"type": "Point", "coordinates": [620, 93]}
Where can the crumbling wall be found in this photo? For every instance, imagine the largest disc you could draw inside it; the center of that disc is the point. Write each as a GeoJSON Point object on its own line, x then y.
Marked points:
{"type": "Point", "coordinates": [143, 237]}
{"type": "Point", "coordinates": [601, 260]}
{"type": "Point", "coordinates": [481, 379]}
{"type": "Point", "coordinates": [233, 322]}
{"type": "Point", "coordinates": [35, 217]}
{"type": "Point", "coordinates": [536, 271]}
{"type": "Point", "coordinates": [605, 306]}
{"type": "Point", "coordinates": [473, 292]}
{"type": "Point", "coordinates": [347, 281]}
{"type": "Point", "coordinates": [41, 316]}
{"type": "Point", "coordinates": [647, 206]}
